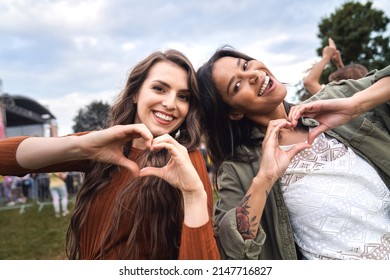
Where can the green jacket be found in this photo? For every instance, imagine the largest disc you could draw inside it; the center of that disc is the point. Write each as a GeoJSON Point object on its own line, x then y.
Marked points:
{"type": "Point", "coordinates": [368, 135]}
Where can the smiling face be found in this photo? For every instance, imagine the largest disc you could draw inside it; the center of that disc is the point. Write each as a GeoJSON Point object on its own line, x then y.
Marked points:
{"type": "Point", "coordinates": [163, 100]}
{"type": "Point", "coordinates": [249, 88]}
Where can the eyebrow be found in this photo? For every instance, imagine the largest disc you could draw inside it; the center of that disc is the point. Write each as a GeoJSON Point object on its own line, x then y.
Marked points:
{"type": "Point", "coordinates": [232, 79]}
{"type": "Point", "coordinates": [162, 82]}
{"type": "Point", "coordinates": [186, 90]}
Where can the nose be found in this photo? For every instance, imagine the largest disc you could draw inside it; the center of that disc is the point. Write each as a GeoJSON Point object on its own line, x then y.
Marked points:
{"type": "Point", "coordinates": [253, 76]}
{"type": "Point", "coordinates": [169, 101]}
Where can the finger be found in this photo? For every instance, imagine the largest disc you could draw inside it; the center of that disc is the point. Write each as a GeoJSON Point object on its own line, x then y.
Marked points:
{"type": "Point", "coordinates": [296, 149]}
{"type": "Point", "coordinates": [315, 132]}
{"type": "Point", "coordinates": [143, 131]}
{"type": "Point", "coordinates": [171, 148]}
{"type": "Point", "coordinates": [166, 138]}
{"type": "Point", "coordinates": [294, 116]}
{"type": "Point", "coordinates": [308, 110]}
{"type": "Point", "coordinates": [297, 112]}
{"type": "Point", "coordinates": [160, 141]}
{"type": "Point", "coordinates": [274, 128]}
{"type": "Point", "coordinates": [278, 124]}
{"type": "Point", "coordinates": [331, 43]}
{"type": "Point", "coordinates": [130, 165]}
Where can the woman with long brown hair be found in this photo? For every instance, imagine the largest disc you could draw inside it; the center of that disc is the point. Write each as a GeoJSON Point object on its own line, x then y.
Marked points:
{"type": "Point", "coordinates": [146, 192]}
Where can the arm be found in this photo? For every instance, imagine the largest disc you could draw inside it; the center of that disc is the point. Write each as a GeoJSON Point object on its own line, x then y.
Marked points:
{"type": "Point", "coordinates": [200, 243]}
{"type": "Point", "coordinates": [336, 59]}
{"type": "Point", "coordinates": [104, 146]}
{"type": "Point", "coordinates": [274, 163]}
{"type": "Point", "coordinates": [311, 81]}
{"type": "Point", "coordinates": [335, 112]}
{"type": "Point", "coordinates": [243, 197]}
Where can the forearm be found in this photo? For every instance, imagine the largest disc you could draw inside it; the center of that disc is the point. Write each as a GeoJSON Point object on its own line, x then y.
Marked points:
{"type": "Point", "coordinates": [372, 96]}
{"type": "Point", "coordinates": [311, 81]}
{"type": "Point", "coordinates": [251, 207]}
{"type": "Point", "coordinates": [37, 152]}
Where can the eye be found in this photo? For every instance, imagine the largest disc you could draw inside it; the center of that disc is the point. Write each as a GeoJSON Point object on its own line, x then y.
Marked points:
{"type": "Point", "coordinates": [245, 66]}
{"type": "Point", "coordinates": [158, 88]}
{"type": "Point", "coordinates": [236, 87]}
{"type": "Point", "coordinates": [184, 96]}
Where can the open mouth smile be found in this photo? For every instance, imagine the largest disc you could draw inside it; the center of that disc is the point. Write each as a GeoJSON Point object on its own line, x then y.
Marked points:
{"type": "Point", "coordinates": [264, 85]}
{"type": "Point", "coordinates": [163, 116]}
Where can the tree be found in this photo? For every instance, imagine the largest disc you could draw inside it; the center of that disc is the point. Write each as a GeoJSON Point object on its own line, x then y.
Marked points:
{"type": "Point", "coordinates": [93, 117]}
{"type": "Point", "coordinates": [358, 30]}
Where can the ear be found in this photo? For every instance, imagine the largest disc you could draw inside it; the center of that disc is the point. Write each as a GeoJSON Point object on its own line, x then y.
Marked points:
{"type": "Point", "coordinates": [236, 116]}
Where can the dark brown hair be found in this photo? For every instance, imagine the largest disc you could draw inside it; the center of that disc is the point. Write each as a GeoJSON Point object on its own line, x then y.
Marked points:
{"type": "Point", "coordinates": [146, 197]}
{"type": "Point", "coordinates": [225, 137]}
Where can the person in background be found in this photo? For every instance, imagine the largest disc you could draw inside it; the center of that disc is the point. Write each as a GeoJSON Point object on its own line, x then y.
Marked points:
{"type": "Point", "coordinates": [297, 182]}
{"type": "Point", "coordinates": [330, 53]}
{"type": "Point", "coordinates": [59, 193]}
{"type": "Point", "coordinates": [2, 190]}
{"type": "Point", "coordinates": [13, 184]}
{"type": "Point", "coordinates": [146, 193]}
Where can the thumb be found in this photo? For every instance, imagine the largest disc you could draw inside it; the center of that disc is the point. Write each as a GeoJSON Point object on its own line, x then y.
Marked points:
{"type": "Point", "coordinates": [151, 171]}
{"type": "Point", "coordinates": [315, 132]}
{"type": "Point", "coordinates": [297, 148]}
{"type": "Point", "coordinates": [130, 165]}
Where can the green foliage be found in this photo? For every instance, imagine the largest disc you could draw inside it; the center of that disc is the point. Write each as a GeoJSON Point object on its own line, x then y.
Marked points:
{"type": "Point", "coordinates": [93, 117]}
{"type": "Point", "coordinates": [357, 30]}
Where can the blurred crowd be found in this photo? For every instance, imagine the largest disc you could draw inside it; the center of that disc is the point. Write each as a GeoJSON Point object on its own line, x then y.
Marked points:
{"type": "Point", "coordinates": [33, 187]}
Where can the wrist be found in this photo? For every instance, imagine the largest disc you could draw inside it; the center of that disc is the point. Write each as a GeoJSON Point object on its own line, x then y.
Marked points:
{"type": "Point", "coordinates": [195, 208]}
{"type": "Point", "coordinates": [264, 182]}
{"type": "Point", "coordinates": [194, 197]}
{"type": "Point", "coordinates": [360, 104]}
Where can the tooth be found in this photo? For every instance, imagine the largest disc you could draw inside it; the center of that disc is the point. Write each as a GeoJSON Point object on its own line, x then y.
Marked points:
{"type": "Point", "coordinates": [164, 117]}
{"type": "Point", "coordinates": [264, 86]}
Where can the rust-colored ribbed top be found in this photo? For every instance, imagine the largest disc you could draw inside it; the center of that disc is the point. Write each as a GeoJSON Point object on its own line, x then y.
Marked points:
{"type": "Point", "coordinates": [196, 243]}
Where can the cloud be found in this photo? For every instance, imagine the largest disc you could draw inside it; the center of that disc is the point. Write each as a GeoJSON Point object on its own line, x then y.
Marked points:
{"type": "Point", "coordinates": [67, 53]}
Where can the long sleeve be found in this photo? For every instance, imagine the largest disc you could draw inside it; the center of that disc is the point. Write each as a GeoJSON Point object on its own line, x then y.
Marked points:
{"type": "Point", "coordinates": [231, 192]}
{"type": "Point", "coordinates": [10, 166]}
{"type": "Point", "coordinates": [199, 243]}
{"type": "Point", "coordinates": [8, 163]}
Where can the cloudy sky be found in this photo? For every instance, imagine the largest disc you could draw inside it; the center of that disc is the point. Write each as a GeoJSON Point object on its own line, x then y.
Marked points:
{"type": "Point", "coordinates": [68, 53]}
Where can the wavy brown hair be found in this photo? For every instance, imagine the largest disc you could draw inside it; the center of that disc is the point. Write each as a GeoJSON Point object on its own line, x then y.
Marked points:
{"type": "Point", "coordinates": [149, 208]}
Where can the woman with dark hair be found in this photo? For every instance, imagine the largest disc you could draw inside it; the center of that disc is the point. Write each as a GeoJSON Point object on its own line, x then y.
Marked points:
{"type": "Point", "coordinates": [308, 181]}
{"type": "Point", "coordinates": [146, 192]}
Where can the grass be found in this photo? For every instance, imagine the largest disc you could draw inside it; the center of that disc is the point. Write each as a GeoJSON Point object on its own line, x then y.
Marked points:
{"type": "Point", "coordinates": [35, 234]}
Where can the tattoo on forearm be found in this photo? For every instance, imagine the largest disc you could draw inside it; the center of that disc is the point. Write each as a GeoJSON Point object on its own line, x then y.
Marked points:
{"type": "Point", "coordinates": [244, 224]}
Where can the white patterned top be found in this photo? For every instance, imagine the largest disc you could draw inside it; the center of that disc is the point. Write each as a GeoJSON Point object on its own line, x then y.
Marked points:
{"type": "Point", "coordinates": [338, 205]}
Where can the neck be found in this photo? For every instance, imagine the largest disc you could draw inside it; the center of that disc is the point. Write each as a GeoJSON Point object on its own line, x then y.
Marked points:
{"type": "Point", "coordinates": [263, 120]}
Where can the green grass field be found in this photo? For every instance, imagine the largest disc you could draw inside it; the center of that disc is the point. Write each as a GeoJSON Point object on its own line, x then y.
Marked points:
{"type": "Point", "coordinates": [35, 234]}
